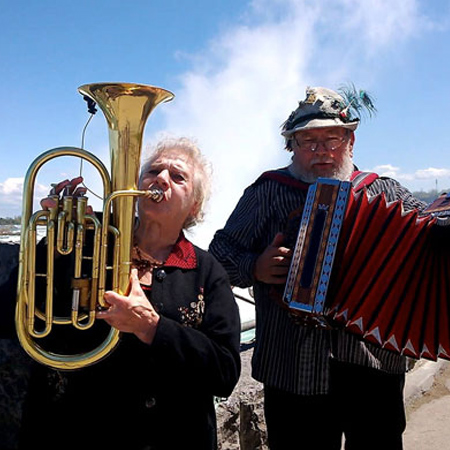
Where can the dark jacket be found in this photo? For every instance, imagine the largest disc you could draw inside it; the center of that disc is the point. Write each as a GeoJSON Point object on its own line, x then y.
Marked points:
{"type": "Point", "coordinates": [148, 396]}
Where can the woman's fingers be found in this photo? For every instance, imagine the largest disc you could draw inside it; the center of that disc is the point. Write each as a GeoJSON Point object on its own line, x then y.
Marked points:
{"type": "Point", "coordinates": [48, 202]}
{"type": "Point", "coordinates": [136, 288]}
{"type": "Point", "coordinates": [79, 191]}
{"type": "Point", "coordinates": [72, 185]}
{"type": "Point", "coordinates": [66, 187]}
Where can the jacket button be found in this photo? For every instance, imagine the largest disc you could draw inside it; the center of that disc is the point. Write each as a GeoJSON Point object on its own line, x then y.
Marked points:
{"type": "Point", "coordinates": [150, 402]}
{"type": "Point", "coordinates": [161, 274]}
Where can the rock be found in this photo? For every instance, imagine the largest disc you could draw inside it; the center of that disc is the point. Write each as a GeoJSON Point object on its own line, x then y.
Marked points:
{"type": "Point", "coordinates": [14, 366]}
{"type": "Point", "coordinates": [9, 256]}
{"type": "Point", "coordinates": [240, 418]}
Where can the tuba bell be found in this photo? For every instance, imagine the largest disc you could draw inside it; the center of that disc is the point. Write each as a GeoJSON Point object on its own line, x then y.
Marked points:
{"type": "Point", "coordinates": [126, 107]}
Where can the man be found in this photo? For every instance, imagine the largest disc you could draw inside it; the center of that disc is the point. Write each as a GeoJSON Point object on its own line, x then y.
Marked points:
{"type": "Point", "coordinates": [319, 384]}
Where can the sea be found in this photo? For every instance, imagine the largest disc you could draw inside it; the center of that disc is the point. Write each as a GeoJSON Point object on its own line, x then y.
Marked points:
{"type": "Point", "coordinates": [9, 233]}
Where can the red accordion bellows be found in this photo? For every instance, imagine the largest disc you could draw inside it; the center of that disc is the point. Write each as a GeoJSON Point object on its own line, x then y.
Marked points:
{"type": "Point", "coordinates": [390, 278]}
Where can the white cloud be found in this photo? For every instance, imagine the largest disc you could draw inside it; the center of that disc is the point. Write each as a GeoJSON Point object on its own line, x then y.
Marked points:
{"type": "Point", "coordinates": [421, 179]}
{"type": "Point", "coordinates": [11, 196]}
{"type": "Point", "coordinates": [247, 81]}
{"type": "Point", "coordinates": [386, 170]}
{"type": "Point", "coordinates": [432, 173]}
{"type": "Point", "coordinates": [11, 188]}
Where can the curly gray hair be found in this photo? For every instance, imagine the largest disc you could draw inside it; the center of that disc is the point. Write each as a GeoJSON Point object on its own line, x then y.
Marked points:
{"type": "Point", "coordinates": [202, 171]}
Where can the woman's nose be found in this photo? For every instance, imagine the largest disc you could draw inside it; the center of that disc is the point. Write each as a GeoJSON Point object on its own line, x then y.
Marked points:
{"type": "Point", "coordinates": [163, 177]}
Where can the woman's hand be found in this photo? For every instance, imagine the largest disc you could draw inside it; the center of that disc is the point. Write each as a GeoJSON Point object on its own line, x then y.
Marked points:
{"type": "Point", "coordinates": [272, 266]}
{"type": "Point", "coordinates": [66, 187]}
{"type": "Point", "coordinates": [132, 313]}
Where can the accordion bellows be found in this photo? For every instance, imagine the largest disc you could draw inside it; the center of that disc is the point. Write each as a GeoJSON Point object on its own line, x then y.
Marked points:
{"type": "Point", "coordinates": [386, 271]}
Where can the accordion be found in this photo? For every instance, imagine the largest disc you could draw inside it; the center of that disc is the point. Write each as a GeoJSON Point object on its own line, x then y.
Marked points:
{"type": "Point", "coordinates": [367, 265]}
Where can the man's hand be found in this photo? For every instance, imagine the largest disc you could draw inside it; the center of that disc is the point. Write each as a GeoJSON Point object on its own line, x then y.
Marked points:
{"type": "Point", "coordinates": [272, 266]}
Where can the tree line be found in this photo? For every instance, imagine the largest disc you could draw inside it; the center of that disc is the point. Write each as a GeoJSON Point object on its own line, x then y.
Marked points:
{"type": "Point", "coordinates": [10, 220]}
{"type": "Point", "coordinates": [429, 196]}
{"type": "Point", "coordinates": [426, 196]}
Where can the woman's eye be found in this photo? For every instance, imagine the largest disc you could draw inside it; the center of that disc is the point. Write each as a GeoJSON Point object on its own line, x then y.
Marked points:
{"type": "Point", "coordinates": [178, 177]}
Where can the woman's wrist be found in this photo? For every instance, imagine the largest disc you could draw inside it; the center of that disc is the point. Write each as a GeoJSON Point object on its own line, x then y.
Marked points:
{"type": "Point", "coordinates": [147, 334]}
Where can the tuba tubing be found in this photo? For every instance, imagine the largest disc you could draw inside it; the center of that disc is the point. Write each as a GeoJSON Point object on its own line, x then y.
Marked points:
{"type": "Point", "coordinates": [126, 107]}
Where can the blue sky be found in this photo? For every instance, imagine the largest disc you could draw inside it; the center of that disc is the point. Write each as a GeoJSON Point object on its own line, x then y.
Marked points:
{"type": "Point", "coordinates": [237, 69]}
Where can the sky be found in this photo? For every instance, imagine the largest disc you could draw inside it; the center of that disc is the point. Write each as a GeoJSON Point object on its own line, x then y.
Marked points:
{"type": "Point", "coordinates": [237, 69]}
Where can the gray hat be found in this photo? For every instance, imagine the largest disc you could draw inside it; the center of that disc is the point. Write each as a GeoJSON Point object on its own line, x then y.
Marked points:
{"type": "Point", "coordinates": [323, 107]}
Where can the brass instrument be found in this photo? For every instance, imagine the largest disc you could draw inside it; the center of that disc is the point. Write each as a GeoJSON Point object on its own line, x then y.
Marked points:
{"type": "Point", "coordinates": [126, 107]}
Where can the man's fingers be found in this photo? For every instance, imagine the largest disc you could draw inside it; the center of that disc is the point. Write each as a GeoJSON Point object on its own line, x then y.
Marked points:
{"type": "Point", "coordinates": [279, 270]}
{"type": "Point", "coordinates": [277, 240]}
{"type": "Point", "coordinates": [281, 260]}
{"type": "Point", "coordinates": [276, 280]}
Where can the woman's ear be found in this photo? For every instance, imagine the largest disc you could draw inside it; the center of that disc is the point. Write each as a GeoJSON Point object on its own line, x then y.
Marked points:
{"type": "Point", "coordinates": [195, 210]}
{"type": "Point", "coordinates": [194, 215]}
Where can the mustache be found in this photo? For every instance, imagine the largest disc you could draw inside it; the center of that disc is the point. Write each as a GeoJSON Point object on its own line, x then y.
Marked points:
{"type": "Point", "coordinates": [322, 161]}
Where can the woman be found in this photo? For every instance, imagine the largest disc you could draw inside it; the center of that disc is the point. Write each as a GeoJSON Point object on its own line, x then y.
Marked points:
{"type": "Point", "coordinates": [180, 341]}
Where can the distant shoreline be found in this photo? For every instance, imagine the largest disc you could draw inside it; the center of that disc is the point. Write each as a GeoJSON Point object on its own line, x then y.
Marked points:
{"type": "Point", "coordinates": [10, 233]}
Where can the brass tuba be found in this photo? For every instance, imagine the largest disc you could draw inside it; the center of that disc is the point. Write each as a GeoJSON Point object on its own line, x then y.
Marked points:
{"type": "Point", "coordinates": [126, 107]}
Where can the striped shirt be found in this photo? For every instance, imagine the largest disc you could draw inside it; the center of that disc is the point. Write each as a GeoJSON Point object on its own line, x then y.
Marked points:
{"type": "Point", "coordinates": [288, 356]}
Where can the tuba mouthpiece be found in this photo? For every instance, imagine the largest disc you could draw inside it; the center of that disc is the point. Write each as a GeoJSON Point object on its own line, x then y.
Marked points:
{"type": "Point", "coordinates": [156, 194]}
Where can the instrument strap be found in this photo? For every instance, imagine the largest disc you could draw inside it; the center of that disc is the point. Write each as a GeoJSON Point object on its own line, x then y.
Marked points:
{"type": "Point", "coordinates": [283, 176]}
{"type": "Point", "coordinates": [360, 179]}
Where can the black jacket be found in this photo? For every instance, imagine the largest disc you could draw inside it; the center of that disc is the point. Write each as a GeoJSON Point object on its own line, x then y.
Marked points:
{"type": "Point", "coordinates": [147, 396]}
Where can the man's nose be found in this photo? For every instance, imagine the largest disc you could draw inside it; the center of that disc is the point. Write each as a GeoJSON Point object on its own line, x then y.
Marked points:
{"type": "Point", "coordinates": [321, 147]}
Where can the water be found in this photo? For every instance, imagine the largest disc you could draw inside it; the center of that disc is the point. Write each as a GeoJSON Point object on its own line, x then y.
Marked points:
{"type": "Point", "coordinates": [246, 306]}
{"type": "Point", "coordinates": [9, 233]}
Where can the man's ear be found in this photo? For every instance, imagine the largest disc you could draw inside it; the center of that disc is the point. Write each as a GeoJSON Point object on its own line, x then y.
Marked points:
{"type": "Point", "coordinates": [352, 142]}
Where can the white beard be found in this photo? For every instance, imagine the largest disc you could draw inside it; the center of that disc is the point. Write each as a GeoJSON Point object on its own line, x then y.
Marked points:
{"type": "Point", "coordinates": [342, 172]}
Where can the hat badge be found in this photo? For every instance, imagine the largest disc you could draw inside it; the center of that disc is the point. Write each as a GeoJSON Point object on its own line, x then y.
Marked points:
{"type": "Point", "coordinates": [311, 97]}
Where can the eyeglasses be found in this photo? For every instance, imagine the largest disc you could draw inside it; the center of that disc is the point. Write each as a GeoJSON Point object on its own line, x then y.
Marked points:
{"type": "Point", "coordinates": [330, 144]}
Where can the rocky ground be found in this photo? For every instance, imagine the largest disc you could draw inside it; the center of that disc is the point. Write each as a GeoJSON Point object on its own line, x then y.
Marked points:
{"type": "Point", "coordinates": [241, 417]}
{"type": "Point", "coordinates": [428, 414]}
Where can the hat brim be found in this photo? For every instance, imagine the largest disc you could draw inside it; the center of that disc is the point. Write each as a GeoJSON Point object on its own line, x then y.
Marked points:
{"type": "Point", "coordinates": [321, 123]}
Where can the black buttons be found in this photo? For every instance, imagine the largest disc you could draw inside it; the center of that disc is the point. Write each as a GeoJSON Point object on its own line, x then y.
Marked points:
{"type": "Point", "coordinates": [161, 274]}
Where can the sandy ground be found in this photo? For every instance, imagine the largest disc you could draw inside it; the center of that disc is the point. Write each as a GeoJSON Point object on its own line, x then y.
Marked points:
{"type": "Point", "coordinates": [428, 417]}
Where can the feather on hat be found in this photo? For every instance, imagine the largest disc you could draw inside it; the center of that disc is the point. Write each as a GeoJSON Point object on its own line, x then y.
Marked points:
{"type": "Point", "coordinates": [324, 107]}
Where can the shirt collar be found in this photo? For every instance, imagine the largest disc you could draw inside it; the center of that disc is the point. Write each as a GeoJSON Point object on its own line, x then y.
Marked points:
{"type": "Point", "coordinates": [182, 255]}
